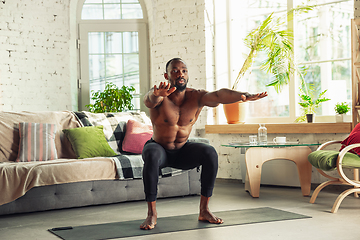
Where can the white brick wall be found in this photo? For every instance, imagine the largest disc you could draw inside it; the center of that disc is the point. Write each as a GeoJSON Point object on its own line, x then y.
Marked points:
{"type": "Point", "coordinates": [34, 63]}
{"type": "Point", "coordinates": [177, 29]}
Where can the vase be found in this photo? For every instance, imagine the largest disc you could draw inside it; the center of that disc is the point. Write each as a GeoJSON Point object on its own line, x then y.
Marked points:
{"type": "Point", "coordinates": [310, 117]}
{"type": "Point", "coordinates": [340, 117]}
{"type": "Point", "coordinates": [235, 113]}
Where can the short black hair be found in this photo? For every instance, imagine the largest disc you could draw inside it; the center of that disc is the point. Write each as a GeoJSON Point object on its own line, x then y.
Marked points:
{"type": "Point", "coordinates": [171, 60]}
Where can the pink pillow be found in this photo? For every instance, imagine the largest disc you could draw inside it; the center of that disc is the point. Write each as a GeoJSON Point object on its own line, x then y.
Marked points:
{"type": "Point", "coordinates": [136, 135]}
{"type": "Point", "coordinates": [354, 137]}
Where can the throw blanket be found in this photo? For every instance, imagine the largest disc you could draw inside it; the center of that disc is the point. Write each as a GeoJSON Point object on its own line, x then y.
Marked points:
{"type": "Point", "coordinates": [131, 166]}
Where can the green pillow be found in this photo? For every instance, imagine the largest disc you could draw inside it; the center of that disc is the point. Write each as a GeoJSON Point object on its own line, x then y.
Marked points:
{"type": "Point", "coordinates": [89, 142]}
{"type": "Point", "coordinates": [326, 160]}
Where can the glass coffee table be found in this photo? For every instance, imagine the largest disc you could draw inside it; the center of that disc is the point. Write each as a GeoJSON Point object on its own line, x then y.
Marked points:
{"type": "Point", "coordinates": [257, 154]}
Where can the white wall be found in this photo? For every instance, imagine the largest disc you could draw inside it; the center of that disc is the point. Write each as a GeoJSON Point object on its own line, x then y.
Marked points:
{"type": "Point", "coordinates": [34, 62]}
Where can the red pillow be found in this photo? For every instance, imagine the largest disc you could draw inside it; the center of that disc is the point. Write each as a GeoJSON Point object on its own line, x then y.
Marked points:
{"type": "Point", "coordinates": [353, 138]}
{"type": "Point", "coordinates": [136, 135]}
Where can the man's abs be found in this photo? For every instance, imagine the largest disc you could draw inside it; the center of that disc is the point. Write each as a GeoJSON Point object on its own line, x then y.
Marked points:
{"type": "Point", "coordinates": [171, 137]}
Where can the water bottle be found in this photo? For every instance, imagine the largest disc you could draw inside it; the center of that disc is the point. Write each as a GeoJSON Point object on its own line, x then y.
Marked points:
{"type": "Point", "coordinates": [262, 134]}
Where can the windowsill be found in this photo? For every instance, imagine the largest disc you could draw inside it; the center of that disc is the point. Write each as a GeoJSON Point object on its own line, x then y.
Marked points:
{"type": "Point", "coordinates": [344, 127]}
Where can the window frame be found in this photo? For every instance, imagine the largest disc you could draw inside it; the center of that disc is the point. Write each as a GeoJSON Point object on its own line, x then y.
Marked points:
{"type": "Point", "coordinates": [113, 25]}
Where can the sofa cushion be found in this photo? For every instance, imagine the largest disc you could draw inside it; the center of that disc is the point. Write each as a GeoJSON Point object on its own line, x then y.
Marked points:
{"type": "Point", "coordinates": [326, 160]}
{"type": "Point", "coordinates": [114, 125]}
{"type": "Point", "coordinates": [89, 142]}
{"type": "Point", "coordinates": [137, 134]}
{"type": "Point", "coordinates": [37, 142]}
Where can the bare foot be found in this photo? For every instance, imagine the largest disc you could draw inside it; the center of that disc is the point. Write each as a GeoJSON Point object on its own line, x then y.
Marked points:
{"type": "Point", "coordinates": [207, 216]}
{"type": "Point", "coordinates": [149, 223]}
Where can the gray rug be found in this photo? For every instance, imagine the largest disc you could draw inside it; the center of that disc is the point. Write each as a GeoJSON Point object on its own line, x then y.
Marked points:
{"type": "Point", "coordinates": [172, 224]}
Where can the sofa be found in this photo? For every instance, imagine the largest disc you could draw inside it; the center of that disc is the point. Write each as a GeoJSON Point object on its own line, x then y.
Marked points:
{"type": "Point", "coordinates": [43, 165]}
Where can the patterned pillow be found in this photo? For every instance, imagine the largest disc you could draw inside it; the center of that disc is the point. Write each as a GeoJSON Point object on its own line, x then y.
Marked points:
{"type": "Point", "coordinates": [137, 134]}
{"type": "Point", "coordinates": [115, 125]}
{"type": "Point", "coordinates": [37, 142]}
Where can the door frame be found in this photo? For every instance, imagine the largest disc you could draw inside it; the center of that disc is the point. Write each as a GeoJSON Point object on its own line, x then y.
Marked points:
{"type": "Point", "coordinates": [111, 26]}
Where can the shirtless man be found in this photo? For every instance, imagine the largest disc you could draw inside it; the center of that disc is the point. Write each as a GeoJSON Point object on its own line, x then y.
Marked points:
{"type": "Point", "coordinates": [174, 109]}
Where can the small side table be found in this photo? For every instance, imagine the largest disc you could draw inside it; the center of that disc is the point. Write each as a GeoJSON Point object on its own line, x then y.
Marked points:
{"type": "Point", "coordinates": [257, 155]}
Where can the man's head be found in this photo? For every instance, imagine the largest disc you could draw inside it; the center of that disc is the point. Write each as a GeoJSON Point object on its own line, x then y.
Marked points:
{"type": "Point", "coordinates": [177, 73]}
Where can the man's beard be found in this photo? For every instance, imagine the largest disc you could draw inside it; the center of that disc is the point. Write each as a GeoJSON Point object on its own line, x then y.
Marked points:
{"type": "Point", "coordinates": [182, 87]}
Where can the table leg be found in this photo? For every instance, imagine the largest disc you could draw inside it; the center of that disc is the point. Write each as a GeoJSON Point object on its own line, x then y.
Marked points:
{"type": "Point", "coordinates": [256, 157]}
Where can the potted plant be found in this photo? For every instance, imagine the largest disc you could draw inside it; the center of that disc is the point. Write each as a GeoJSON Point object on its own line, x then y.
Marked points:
{"type": "Point", "coordinates": [309, 101]}
{"type": "Point", "coordinates": [272, 38]}
{"type": "Point", "coordinates": [341, 109]}
{"type": "Point", "coordinates": [112, 99]}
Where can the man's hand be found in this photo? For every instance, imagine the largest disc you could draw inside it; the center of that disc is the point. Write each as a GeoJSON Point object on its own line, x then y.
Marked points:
{"type": "Point", "coordinates": [253, 97]}
{"type": "Point", "coordinates": [164, 90]}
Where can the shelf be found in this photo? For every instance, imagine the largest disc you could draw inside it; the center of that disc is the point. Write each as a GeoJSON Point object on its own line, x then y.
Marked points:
{"type": "Point", "coordinates": [344, 127]}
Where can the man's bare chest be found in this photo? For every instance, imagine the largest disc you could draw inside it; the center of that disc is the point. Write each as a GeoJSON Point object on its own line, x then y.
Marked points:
{"type": "Point", "coordinates": [183, 115]}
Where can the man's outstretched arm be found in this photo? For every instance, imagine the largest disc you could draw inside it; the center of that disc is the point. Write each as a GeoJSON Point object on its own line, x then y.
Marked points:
{"type": "Point", "coordinates": [225, 96]}
{"type": "Point", "coordinates": [156, 95]}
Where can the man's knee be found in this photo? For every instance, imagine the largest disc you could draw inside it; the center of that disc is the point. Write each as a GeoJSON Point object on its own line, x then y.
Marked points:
{"type": "Point", "coordinates": [152, 154]}
{"type": "Point", "coordinates": [210, 154]}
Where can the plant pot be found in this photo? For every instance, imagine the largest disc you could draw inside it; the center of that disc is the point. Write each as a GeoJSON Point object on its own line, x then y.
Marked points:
{"type": "Point", "coordinates": [235, 113]}
{"type": "Point", "coordinates": [340, 117]}
{"type": "Point", "coordinates": [310, 118]}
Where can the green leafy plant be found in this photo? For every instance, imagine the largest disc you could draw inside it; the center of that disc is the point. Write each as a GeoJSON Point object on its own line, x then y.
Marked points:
{"type": "Point", "coordinates": [342, 108]}
{"type": "Point", "coordinates": [272, 38]}
{"type": "Point", "coordinates": [112, 99]}
{"type": "Point", "coordinates": [309, 100]}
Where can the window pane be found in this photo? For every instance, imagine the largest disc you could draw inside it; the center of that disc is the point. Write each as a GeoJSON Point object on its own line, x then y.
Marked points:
{"type": "Point", "coordinates": [275, 105]}
{"type": "Point", "coordinates": [114, 68]}
{"type": "Point", "coordinates": [131, 71]}
{"type": "Point", "coordinates": [131, 64]}
{"type": "Point", "coordinates": [111, 1]}
{"type": "Point", "coordinates": [322, 36]}
{"type": "Point", "coordinates": [92, 11]}
{"type": "Point", "coordinates": [113, 42]}
{"type": "Point", "coordinates": [129, 1]}
{"type": "Point", "coordinates": [96, 72]}
{"type": "Point", "coordinates": [96, 42]}
{"type": "Point", "coordinates": [92, 1]}
{"type": "Point", "coordinates": [254, 13]}
{"type": "Point", "coordinates": [130, 42]}
{"type": "Point", "coordinates": [112, 11]}
{"type": "Point", "coordinates": [130, 11]}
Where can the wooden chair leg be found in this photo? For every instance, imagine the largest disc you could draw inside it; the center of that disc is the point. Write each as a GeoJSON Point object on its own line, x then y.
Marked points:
{"type": "Point", "coordinates": [319, 188]}
{"type": "Point", "coordinates": [341, 197]}
{"type": "Point", "coordinates": [356, 178]}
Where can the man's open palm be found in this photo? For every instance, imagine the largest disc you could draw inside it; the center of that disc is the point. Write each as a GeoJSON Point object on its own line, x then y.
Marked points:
{"type": "Point", "coordinates": [164, 90]}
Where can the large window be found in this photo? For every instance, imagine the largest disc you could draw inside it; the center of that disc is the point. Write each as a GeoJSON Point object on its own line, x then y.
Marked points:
{"type": "Point", "coordinates": [113, 47]}
{"type": "Point", "coordinates": [321, 46]}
